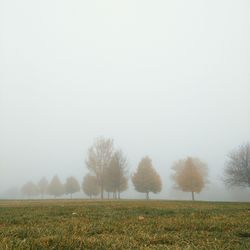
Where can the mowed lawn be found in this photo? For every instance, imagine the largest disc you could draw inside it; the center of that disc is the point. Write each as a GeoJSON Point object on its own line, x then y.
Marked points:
{"type": "Point", "coordinates": [76, 224]}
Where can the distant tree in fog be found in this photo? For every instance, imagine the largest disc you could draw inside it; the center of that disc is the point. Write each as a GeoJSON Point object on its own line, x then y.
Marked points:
{"type": "Point", "coordinates": [43, 186]}
{"type": "Point", "coordinates": [237, 170]}
{"type": "Point", "coordinates": [190, 175]}
{"type": "Point", "coordinates": [98, 160]}
{"type": "Point", "coordinates": [29, 189]}
{"type": "Point", "coordinates": [71, 186]}
{"type": "Point", "coordinates": [115, 175]}
{"type": "Point", "coordinates": [55, 187]}
{"type": "Point", "coordinates": [146, 179]}
{"type": "Point", "coordinates": [12, 192]}
{"type": "Point", "coordinates": [90, 185]}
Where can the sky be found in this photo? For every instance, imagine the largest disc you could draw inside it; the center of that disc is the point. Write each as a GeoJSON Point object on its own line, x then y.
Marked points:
{"type": "Point", "coordinates": [167, 79]}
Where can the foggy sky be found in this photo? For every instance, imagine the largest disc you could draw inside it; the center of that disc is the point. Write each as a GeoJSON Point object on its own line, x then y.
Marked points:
{"type": "Point", "coordinates": [168, 79]}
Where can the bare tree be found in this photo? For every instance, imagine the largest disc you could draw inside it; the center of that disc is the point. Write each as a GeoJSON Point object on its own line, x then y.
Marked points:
{"type": "Point", "coordinates": [99, 157]}
{"type": "Point", "coordinates": [190, 175]}
{"type": "Point", "coordinates": [115, 176]}
{"type": "Point", "coordinates": [90, 186]}
{"type": "Point", "coordinates": [71, 186]}
{"type": "Point", "coordinates": [237, 169]}
{"type": "Point", "coordinates": [146, 179]}
{"type": "Point", "coordinates": [55, 187]}
{"type": "Point", "coordinates": [43, 186]}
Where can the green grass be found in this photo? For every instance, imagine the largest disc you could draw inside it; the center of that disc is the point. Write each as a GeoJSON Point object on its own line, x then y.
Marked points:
{"type": "Point", "coordinates": [116, 225]}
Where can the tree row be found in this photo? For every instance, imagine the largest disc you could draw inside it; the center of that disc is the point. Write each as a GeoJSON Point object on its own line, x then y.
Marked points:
{"type": "Point", "coordinates": [108, 174]}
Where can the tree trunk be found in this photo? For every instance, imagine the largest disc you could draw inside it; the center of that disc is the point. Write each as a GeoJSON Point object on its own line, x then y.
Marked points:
{"type": "Point", "coordinates": [147, 195]}
{"type": "Point", "coordinates": [192, 196]}
{"type": "Point", "coordinates": [119, 197]}
{"type": "Point", "coordinates": [108, 195]}
{"type": "Point", "coordinates": [101, 191]}
{"type": "Point", "coordinates": [71, 196]}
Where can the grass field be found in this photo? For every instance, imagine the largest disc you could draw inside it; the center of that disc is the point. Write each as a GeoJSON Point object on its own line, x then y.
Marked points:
{"type": "Point", "coordinates": [124, 225]}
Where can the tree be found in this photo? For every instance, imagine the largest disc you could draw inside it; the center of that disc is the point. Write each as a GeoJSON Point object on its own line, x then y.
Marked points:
{"type": "Point", "coordinates": [115, 176]}
{"type": "Point", "coordinates": [90, 185]}
{"type": "Point", "coordinates": [43, 186]}
{"type": "Point", "coordinates": [71, 186]}
{"type": "Point", "coordinates": [12, 192]}
{"type": "Point", "coordinates": [146, 179]}
{"type": "Point", "coordinates": [237, 169]}
{"type": "Point", "coordinates": [55, 187]}
{"type": "Point", "coordinates": [99, 157]}
{"type": "Point", "coordinates": [190, 175]}
{"type": "Point", "coordinates": [29, 189]}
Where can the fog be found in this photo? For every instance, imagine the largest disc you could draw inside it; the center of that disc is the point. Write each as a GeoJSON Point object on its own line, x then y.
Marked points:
{"type": "Point", "coordinates": [168, 79]}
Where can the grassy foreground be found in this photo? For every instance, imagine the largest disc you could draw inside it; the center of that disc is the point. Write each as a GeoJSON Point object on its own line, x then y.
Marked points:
{"type": "Point", "coordinates": [124, 225]}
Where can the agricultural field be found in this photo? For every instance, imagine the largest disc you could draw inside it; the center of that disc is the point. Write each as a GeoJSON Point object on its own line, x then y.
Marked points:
{"type": "Point", "coordinates": [127, 224]}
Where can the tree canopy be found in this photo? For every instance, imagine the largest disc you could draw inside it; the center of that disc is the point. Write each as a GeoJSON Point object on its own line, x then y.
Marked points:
{"type": "Point", "coordinates": [55, 187]}
{"type": "Point", "coordinates": [146, 179]}
{"type": "Point", "coordinates": [237, 169]}
{"type": "Point", "coordinates": [190, 175]}
{"type": "Point", "coordinates": [98, 160]}
{"type": "Point", "coordinates": [43, 186]}
{"type": "Point", "coordinates": [29, 189]}
{"type": "Point", "coordinates": [115, 176]}
{"type": "Point", "coordinates": [90, 185]}
{"type": "Point", "coordinates": [71, 186]}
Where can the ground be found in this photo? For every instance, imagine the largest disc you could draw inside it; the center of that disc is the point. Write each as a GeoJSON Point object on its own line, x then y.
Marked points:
{"type": "Point", "coordinates": [77, 224]}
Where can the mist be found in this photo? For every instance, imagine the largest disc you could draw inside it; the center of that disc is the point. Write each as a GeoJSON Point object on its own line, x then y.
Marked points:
{"type": "Point", "coordinates": [164, 79]}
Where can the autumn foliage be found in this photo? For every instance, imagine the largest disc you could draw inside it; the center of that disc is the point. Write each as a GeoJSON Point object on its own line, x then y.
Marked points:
{"type": "Point", "coordinates": [56, 187]}
{"type": "Point", "coordinates": [71, 186]}
{"type": "Point", "coordinates": [190, 175]}
{"type": "Point", "coordinates": [146, 179]}
{"type": "Point", "coordinates": [99, 158]}
{"type": "Point", "coordinates": [115, 176]}
{"type": "Point", "coordinates": [108, 166]}
{"type": "Point", "coordinates": [90, 185]}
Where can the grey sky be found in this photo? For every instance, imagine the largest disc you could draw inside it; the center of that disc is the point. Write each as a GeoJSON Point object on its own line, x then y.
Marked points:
{"type": "Point", "coordinates": [163, 78]}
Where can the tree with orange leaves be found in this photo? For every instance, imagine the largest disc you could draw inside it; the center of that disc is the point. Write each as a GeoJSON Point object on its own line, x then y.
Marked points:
{"type": "Point", "coordinates": [190, 175]}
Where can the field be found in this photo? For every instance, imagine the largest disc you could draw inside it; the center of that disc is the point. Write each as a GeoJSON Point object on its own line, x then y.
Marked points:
{"type": "Point", "coordinates": [79, 224]}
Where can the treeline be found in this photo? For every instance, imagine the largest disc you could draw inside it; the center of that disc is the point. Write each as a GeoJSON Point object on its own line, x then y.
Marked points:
{"type": "Point", "coordinates": [109, 174]}
{"type": "Point", "coordinates": [54, 188]}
